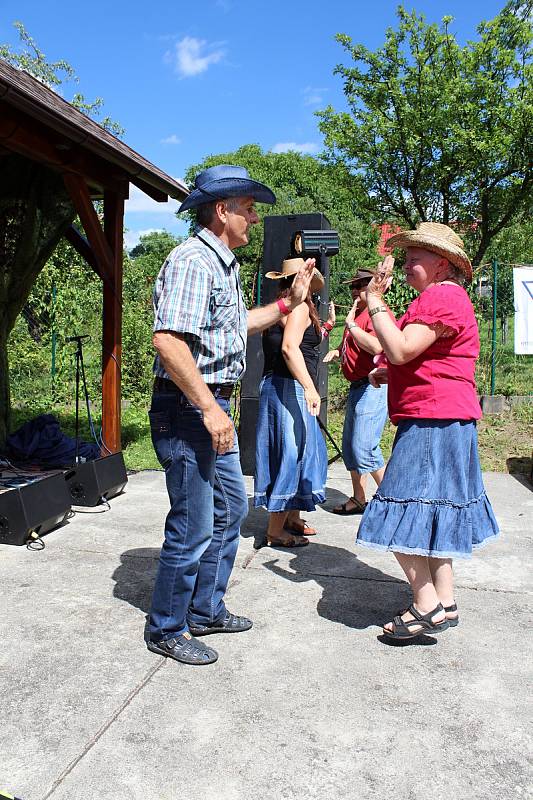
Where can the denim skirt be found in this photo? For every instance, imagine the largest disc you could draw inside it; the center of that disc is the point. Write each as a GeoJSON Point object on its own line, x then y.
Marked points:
{"type": "Point", "coordinates": [290, 456]}
{"type": "Point", "coordinates": [432, 501]}
{"type": "Point", "coordinates": [366, 414]}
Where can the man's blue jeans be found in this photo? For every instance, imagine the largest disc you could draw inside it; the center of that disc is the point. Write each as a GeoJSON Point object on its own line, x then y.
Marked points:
{"type": "Point", "coordinates": [208, 502]}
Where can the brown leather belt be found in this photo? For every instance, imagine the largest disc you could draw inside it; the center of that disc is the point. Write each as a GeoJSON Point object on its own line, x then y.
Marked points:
{"type": "Point", "coordinates": [223, 390]}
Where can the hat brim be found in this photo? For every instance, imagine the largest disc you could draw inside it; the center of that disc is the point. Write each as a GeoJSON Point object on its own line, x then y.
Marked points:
{"type": "Point", "coordinates": [356, 279]}
{"type": "Point", "coordinates": [223, 188]}
{"type": "Point", "coordinates": [434, 244]}
{"type": "Point", "coordinates": [317, 281]}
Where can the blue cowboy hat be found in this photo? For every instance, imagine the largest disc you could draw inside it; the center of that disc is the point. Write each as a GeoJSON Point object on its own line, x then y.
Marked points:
{"type": "Point", "coordinates": [225, 180]}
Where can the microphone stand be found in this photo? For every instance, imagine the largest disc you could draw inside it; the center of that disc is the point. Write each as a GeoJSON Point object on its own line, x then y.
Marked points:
{"type": "Point", "coordinates": [80, 373]}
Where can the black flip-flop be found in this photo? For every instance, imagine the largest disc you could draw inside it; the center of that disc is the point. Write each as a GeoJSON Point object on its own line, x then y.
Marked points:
{"type": "Point", "coordinates": [343, 511]}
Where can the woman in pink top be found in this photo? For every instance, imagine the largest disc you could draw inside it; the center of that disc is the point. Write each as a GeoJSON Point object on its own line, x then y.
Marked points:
{"type": "Point", "coordinates": [431, 506]}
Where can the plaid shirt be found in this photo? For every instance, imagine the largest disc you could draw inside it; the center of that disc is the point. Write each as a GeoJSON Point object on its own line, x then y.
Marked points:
{"type": "Point", "coordinates": [198, 294]}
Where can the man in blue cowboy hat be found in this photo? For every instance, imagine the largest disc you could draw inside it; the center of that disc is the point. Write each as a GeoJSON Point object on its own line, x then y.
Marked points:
{"type": "Point", "coordinates": [200, 331]}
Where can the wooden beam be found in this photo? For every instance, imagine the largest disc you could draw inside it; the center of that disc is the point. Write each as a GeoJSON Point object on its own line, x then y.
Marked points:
{"type": "Point", "coordinates": [82, 246]}
{"type": "Point", "coordinates": [155, 194]}
{"type": "Point", "coordinates": [112, 322]}
{"type": "Point", "coordinates": [81, 199]}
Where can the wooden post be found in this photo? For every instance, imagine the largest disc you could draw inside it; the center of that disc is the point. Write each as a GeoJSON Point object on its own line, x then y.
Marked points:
{"type": "Point", "coordinates": [106, 246]}
{"type": "Point", "coordinates": [112, 322]}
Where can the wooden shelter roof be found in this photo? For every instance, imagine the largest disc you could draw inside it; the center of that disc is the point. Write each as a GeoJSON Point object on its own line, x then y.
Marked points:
{"type": "Point", "coordinates": [64, 137]}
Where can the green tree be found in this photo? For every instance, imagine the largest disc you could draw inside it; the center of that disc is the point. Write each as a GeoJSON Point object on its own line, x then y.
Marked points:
{"type": "Point", "coordinates": [438, 131]}
{"type": "Point", "coordinates": [155, 246]}
{"type": "Point", "coordinates": [303, 184]}
{"type": "Point", "coordinates": [141, 268]}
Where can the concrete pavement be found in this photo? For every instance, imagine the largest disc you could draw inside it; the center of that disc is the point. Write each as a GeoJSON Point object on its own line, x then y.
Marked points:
{"type": "Point", "coordinates": [308, 704]}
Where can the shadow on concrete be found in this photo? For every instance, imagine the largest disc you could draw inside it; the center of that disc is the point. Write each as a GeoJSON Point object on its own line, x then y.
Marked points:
{"type": "Point", "coordinates": [255, 524]}
{"type": "Point", "coordinates": [135, 577]}
{"type": "Point", "coordinates": [521, 470]}
{"type": "Point", "coordinates": [353, 593]}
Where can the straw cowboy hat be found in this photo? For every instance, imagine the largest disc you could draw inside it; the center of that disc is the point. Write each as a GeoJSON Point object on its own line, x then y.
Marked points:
{"type": "Point", "coordinates": [436, 238]}
{"type": "Point", "coordinates": [290, 267]}
{"type": "Point", "coordinates": [361, 275]}
{"type": "Point", "coordinates": [222, 181]}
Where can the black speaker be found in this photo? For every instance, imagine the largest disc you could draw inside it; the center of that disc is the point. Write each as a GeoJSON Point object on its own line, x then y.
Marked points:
{"type": "Point", "coordinates": [278, 245]}
{"type": "Point", "coordinates": [37, 507]}
{"type": "Point", "coordinates": [93, 481]}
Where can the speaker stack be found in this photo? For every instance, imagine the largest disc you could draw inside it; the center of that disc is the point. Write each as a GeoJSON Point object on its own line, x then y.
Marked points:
{"type": "Point", "coordinates": [279, 244]}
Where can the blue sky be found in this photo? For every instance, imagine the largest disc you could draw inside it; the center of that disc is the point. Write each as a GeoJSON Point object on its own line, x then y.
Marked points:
{"type": "Point", "coordinates": [187, 80]}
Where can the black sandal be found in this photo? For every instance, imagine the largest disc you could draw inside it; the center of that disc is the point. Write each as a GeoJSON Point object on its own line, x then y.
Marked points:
{"type": "Point", "coordinates": [454, 621]}
{"type": "Point", "coordinates": [344, 511]}
{"type": "Point", "coordinates": [402, 629]}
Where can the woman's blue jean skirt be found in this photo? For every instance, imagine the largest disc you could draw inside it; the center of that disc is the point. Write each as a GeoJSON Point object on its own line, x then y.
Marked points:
{"type": "Point", "coordinates": [290, 458]}
{"type": "Point", "coordinates": [366, 414]}
{"type": "Point", "coordinates": [431, 501]}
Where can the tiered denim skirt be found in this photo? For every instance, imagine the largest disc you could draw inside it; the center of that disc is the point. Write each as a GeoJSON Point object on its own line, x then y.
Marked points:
{"type": "Point", "coordinates": [291, 455]}
{"type": "Point", "coordinates": [432, 501]}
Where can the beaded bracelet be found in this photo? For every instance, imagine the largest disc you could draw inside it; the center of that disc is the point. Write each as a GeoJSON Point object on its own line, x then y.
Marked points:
{"type": "Point", "coordinates": [376, 310]}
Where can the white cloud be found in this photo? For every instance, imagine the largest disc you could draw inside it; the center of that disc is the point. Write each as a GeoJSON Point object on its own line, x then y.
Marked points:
{"type": "Point", "coordinates": [304, 148]}
{"type": "Point", "coordinates": [193, 56]}
{"type": "Point", "coordinates": [140, 203]}
{"type": "Point", "coordinates": [172, 139]}
{"type": "Point", "coordinates": [132, 238]}
{"type": "Point", "coordinates": [313, 96]}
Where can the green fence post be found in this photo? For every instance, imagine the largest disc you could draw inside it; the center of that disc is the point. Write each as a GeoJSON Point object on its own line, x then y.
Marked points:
{"type": "Point", "coordinates": [494, 318]}
{"type": "Point", "coordinates": [54, 339]}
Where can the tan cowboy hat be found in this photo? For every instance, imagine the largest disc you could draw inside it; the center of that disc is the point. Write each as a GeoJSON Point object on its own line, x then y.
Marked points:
{"type": "Point", "coordinates": [361, 275]}
{"type": "Point", "coordinates": [436, 238]}
{"type": "Point", "coordinates": [290, 267]}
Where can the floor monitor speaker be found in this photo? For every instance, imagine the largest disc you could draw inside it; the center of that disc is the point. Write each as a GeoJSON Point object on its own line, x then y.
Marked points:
{"type": "Point", "coordinates": [93, 481]}
{"type": "Point", "coordinates": [36, 507]}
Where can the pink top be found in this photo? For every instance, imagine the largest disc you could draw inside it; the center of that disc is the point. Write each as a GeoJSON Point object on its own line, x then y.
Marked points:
{"type": "Point", "coordinates": [439, 383]}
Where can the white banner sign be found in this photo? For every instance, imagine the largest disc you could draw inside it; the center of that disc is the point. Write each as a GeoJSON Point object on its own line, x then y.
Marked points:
{"type": "Point", "coordinates": [523, 307]}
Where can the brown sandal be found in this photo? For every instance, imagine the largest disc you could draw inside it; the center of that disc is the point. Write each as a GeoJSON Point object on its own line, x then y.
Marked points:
{"type": "Point", "coordinates": [288, 541]}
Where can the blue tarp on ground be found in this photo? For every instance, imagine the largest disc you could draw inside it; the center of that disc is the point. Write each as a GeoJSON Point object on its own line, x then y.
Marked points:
{"type": "Point", "coordinates": [41, 441]}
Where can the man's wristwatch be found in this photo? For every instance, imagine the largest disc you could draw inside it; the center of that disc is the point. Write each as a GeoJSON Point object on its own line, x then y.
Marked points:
{"type": "Point", "coordinates": [352, 325]}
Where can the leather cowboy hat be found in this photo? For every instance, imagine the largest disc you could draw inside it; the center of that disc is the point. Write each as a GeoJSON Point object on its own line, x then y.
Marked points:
{"type": "Point", "coordinates": [222, 181]}
{"type": "Point", "coordinates": [290, 267]}
{"type": "Point", "coordinates": [361, 275]}
{"type": "Point", "coordinates": [437, 238]}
